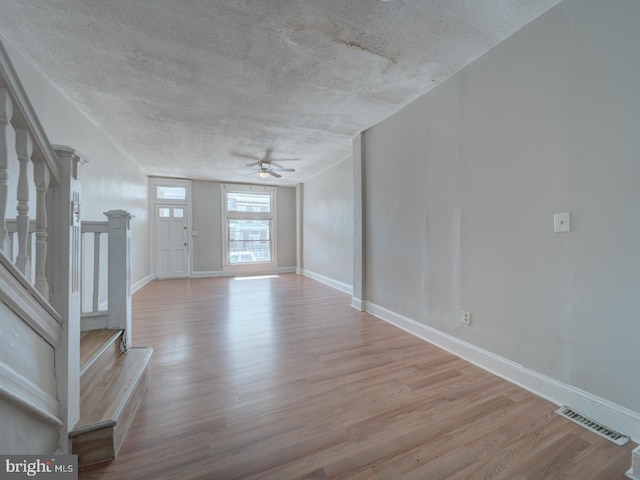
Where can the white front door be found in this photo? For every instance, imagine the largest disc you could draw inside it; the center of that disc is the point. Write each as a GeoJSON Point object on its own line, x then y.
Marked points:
{"type": "Point", "coordinates": [172, 241]}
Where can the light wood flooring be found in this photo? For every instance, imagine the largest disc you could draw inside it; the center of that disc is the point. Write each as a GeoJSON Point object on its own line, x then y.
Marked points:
{"type": "Point", "coordinates": [281, 379]}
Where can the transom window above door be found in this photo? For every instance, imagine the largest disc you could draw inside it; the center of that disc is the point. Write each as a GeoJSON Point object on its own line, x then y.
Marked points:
{"type": "Point", "coordinates": [164, 192]}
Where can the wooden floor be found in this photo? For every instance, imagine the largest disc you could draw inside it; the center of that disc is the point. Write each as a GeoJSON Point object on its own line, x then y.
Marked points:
{"type": "Point", "coordinates": [281, 379]}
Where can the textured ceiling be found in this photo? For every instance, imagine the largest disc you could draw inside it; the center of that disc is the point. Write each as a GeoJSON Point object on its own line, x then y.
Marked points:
{"type": "Point", "coordinates": [188, 87]}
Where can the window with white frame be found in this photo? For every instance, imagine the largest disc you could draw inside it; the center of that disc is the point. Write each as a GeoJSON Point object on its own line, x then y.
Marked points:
{"type": "Point", "coordinates": [248, 213]}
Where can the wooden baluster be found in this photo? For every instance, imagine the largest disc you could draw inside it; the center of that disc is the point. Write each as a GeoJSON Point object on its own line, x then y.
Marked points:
{"type": "Point", "coordinates": [42, 179]}
{"type": "Point", "coordinates": [6, 112]}
{"type": "Point", "coordinates": [24, 149]}
{"type": "Point", "coordinates": [96, 271]}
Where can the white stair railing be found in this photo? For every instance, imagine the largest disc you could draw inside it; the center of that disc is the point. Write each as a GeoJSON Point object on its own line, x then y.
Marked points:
{"type": "Point", "coordinates": [95, 258]}
{"type": "Point", "coordinates": [107, 298]}
{"type": "Point", "coordinates": [27, 163]}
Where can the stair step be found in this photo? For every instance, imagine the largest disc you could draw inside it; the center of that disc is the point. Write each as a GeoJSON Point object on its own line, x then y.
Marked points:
{"type": "Point", "coordinates": [99, 349]}
{"type": "Point", "coordinates": [91, 342]}
{"type": "Point", "coordinates": [108, 407]}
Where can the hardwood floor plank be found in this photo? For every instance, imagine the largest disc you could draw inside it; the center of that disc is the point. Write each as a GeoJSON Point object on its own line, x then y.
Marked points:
{"type": "Point", "coordinates": [281, 379]}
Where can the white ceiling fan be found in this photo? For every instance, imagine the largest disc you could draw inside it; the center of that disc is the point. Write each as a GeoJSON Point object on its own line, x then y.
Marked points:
{"type": "Point", "coordinates": [266, 164]}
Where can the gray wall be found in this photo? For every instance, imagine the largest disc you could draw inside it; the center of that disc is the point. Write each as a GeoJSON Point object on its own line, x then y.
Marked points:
{"type": "Point", "coordinates": [207, 246]}
{"type": "Point", "coordinates": [286, 218]}
{"type": "Point", "coordinates": [111, 179]}
{"type": "Point", "coordinates": [327, 225]}
{"type": "Point", "coordinates": [461, 187]}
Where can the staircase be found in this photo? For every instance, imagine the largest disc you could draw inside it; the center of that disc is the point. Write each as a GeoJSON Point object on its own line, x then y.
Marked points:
{"type": "Point", "coordinates": [60, 390]}
{"type": "Point", "coordinates": [112, 385]}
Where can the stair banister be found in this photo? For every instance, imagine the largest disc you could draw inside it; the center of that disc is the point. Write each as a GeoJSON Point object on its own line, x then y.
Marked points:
{"type": "Point", "coordinates": [6, 112]}
{"type": "Point", "coordinates": [23, 115]}
{"type": "Point", "coordinates": [119, 293]}
{"type": "Point", "coordinates": [63, 271]}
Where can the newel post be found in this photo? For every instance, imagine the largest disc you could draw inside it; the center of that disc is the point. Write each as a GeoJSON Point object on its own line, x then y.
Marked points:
{"type": "Point", "coordinates": [120, 271]}
{"type": "Point", "coordinates": [63, 271]}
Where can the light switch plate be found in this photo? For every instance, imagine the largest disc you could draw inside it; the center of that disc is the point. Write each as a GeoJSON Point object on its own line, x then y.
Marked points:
{"type": "Point", "coordinates": [561, 222]}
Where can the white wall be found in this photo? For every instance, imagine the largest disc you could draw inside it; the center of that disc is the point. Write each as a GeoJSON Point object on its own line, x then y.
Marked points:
{"type": "Point", "coordinates": [462, 184]}
{"type": "Point", "coordinates": [26, 373]}
{"type": "Point", "coordinates": [207, 246]}
{"type": "Point", "coordinates": [327, 225]}
{"type": "Point", "coordinates": [111, 179]}
{"type": "Point", "coordinates": [23, 434]}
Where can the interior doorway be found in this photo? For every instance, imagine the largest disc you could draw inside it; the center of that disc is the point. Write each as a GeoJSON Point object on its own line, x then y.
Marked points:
{"type": "Point", "coordinates": [170, 212]}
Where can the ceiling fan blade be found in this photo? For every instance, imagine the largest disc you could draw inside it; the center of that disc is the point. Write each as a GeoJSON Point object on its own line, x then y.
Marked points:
{"type": "Point", "coordinates": [244, 155]}
{"type": "Point", "coordinates": [253, 164]}
{"type": "Point", "coordinates": [286, 170]}
{"type": "Point", "coordinates": [274, 174]}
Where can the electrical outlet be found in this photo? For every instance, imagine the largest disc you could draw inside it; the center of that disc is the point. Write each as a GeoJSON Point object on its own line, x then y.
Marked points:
{"type": "Point", "coordinates": [466, 318]}
{"type": "Point", "coordinates": [561, 222]}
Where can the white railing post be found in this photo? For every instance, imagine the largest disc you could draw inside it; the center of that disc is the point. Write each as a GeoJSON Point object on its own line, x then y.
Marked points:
{"type": "Point", "coordinates": [63, 271]}
{"type": "Point", "coordinates": [24, 150]}
{"type": "Point", "coordinates": [42, 179]}
{"type": "Point", "coordinates": [6, 113]}
{"type": "Point", "coordinates": [119, 290]}
{"type": "Point", "coordinates": [96, 272]}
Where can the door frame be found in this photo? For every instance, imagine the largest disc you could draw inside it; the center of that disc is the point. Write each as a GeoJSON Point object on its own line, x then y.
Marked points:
{"type": "Point", "coordinates": [154, 201]}
{"type": "Point", "coordinates": [186, 249]}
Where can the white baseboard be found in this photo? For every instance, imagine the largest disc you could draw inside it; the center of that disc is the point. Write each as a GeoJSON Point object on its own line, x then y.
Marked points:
{"type": "Point", "coordinates": [612, 415]}
{"type": "Point", "coordinates": [286, 269]}
{"type": "Point", "coordinates": [141, 283]}
{"type": "Point", "coordinates": [343, 287]}
{"type": "Point", "coordinates": [221, 273]}
{"type": "Point", "coordinates": [357, 303]}
{"type": "Point", "coordinates": [208, 274]}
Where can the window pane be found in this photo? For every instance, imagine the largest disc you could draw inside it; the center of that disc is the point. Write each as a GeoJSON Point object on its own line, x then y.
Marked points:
{"type": "Point", "coordinates": [248, 202]}
{"type": "Point", "coordinates": [178, 212]}
{"type": "Point", "coordinates": [164, 212]}
{"type": "Point", "coordinates": [171, 193]}
{"type": "Point", "coordinates": [249, 241]}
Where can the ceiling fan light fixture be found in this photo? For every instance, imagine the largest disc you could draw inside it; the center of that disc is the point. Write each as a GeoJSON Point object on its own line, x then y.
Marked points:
{"type": "Point", "coordinates": [264, 174]}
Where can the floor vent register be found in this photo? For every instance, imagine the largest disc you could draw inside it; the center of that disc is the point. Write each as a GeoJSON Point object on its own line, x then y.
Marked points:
{"type": "Point", "coordinates": [592, 425]}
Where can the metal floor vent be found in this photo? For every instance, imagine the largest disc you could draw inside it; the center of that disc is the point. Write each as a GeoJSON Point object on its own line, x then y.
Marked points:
{"type": "Point", "coordinates": [592, 425]}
